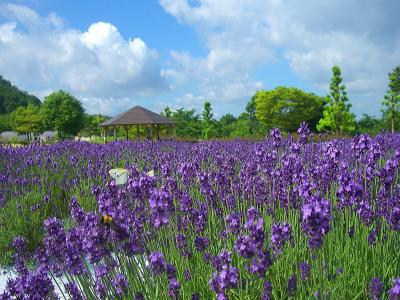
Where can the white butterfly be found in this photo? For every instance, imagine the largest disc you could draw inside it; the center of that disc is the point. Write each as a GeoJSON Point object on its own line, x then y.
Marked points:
{"type": "Point", "coordinates": [150, 173]}
{"type": "Point", "coordinates": [120, 175]}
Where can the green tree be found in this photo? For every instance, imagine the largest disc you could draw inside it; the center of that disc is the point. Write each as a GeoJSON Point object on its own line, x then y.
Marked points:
{"type": "Point", "coordinates": [188, 123]}
{"type": "Point", "coordinates": [62, 112]}
{"type": "Point", "coordinates": [5, 122]}
{"type": "Point", "coordinates": [167, 112]}
{"type": "Point", "coordinates": [368, 124]}
{"type": "Point", "coordinates": [92, 124]}
{"type": "Point", "coordinates": [241, 126]}
{"type": "Point", "coordinates": [208, 124]}
{"type": "Point", "coordinates": [337, 116]}
{"type": "Point", "coordinates": [392, 99]}
{"type": "Point", "coordinates": [26, 120]}
{"type": "Point", "coordinates": [226, 125]}
{"type": "Point", "coordinates": [286, 108]}
{"type": "Point", "coordinates": [251, 111]}
{"type": "Point", "coordinates": [11, 97]}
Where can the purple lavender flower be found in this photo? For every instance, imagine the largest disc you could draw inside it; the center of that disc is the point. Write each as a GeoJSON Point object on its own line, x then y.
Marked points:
{"type": "Point", "coordinates": [159, 206]}
{"type": "Point", "coordinates": [207, 257]}
{"type": "Point", "coordinates": [315, 221]}
{"type": "Point", "coordinates": [303, 132]}
{"type": "Point", "coordinates": [139, 296]}
{"type": "Point", "coordinates": [181, 242]}
{"type": "Point", "coordinates": [351, 232]}
{"type": "Point", "coordinates": [261, 263]}
{"type": "Point", "coordinates": [173, 288]}
{"type": "Point", "coordinates": [171, 271]}
{"type": "Point", "coordinates": [201, 243]}
{"type": "Point", "coordinates": [245, 246]}
{"type": "Point", "coordinates": [365, 212]}
{"type": "Point", "coordinates": [77, 213]}
{"type": "Point", "coordinates": [186, 203]}
{"type": "Point", "coordinates": [199, 218]}
{"type": "Point", "coordinates": [157, 262]}
{"type": "Point", "coordinates": [223, 235]}
{"type": "Point", "coordinates": [93, 237]}
{"type": "Point", "coordinates": [394, 219]}
{"type": "Point", "coordinates": [267, 291]}
{"type": "Point", "coordinates": [256, 229]}
{"type": "Point", "coordinates": [226, 279]}
{"type": "Point", "coordinates": [375, 288]}
{"type": "Point", "coordinates": [233, 223]}
{"type": "Point", "coordinates": [221, 260]}
{"type": "Point", "coordinates": [304, 270]}
{"type": "Point", "coordinates": [372, 237]}
{"type": "Point", "coordinates": [101, 270]}
{"type": "Point", "coordinates": [31, 285]}
{"type": "Point", "coordinates": [187, 275]}
{"type": "Point", "coordinates": [252, 214]}
{"type": "Point", "coordinates": [120, 284]}
{"type": "Point", "coordinates": [279, 235]}
{"type": "Point", "coordinates": [100, 289]}
{"type": "Point", "coordinates": [394, 293]}
{"type": "Point", "coordinates": [275, 136]}
{"type": "Point", "coordinates": [19, 243]}
{"type": "Point", "coordinates": [73, 291]}
{"type": "Point", "coordinates": [292, 285]}
{"type": "Point", "coordinates": [195, 296]}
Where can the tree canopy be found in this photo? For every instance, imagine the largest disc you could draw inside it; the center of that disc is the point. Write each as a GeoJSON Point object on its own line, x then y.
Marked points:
{"type": "Point", "coordinates": [286, 108]}
{"type": "Point", "coordinates": [92, 124]}
{"type": "Point", "coordinates": [11, 97]}
{"type": "Point", "coordinates": [188, 123]}
{"type": "Point", "coordinates": [209, 127]}
{"type": "Point", "coordinates": [337, 116]}
{"type": "Point", "coordinates": [26, 120]}
{"type": "Point", "coordinates": [392, 99]}
{"type": "Point", "coordinates": [62, 112]}
{"type": "Point", "coordinates": [368, 124]}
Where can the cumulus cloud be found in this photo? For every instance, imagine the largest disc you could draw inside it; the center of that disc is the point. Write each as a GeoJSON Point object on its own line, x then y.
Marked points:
{"type": "Point", "coordinates": [362, 37]}
{"type": "Point", "coordinates": [41, 53]}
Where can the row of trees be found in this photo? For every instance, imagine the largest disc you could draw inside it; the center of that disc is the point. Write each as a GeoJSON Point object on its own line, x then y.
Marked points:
{"type": "Point", "coordinates": [286, 108]}
{"type": "Point", "coordinates": [282, 107]}
{"type": "Point", "coordinates": [59, 111]}
{"type": "Point", "coordinates": [190, 124]}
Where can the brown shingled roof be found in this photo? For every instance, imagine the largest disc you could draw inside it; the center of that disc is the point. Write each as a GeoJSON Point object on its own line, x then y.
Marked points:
{"type": "Point", "coordinates": [137, 115]}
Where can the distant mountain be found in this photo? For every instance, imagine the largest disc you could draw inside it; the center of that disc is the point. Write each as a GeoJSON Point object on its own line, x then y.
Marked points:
{"type": "Point", "coordinates": [11, 97]}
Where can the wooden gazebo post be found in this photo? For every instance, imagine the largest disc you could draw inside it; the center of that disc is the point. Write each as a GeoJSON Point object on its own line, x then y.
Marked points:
{"type": "Point", "coordinates": [115, 134]}
{"type": "Point", "coordinates": [170, 131]}
{"type": "Point", "coordinates": [105, 134]}
{"type": "Point", "coordinates": [151, 132]}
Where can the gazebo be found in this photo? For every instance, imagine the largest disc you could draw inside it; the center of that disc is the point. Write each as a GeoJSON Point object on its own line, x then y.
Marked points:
{"type": "Point", "coordinates": [137, 116]}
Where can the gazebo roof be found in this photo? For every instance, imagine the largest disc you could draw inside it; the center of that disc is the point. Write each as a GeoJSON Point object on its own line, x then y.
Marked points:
{"type": "Point", "coordinates": [137, 116]}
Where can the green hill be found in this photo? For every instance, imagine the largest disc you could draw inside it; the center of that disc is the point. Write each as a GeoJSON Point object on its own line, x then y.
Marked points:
{"type": "Point", "coordinates": [11, 97]}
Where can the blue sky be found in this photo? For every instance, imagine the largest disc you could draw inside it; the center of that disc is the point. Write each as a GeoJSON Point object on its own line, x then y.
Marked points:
{"type": "Point", "coordinates": [112, 55]}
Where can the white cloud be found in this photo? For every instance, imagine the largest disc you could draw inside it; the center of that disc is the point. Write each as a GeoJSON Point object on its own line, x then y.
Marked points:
{"type": "Point", "coordinates": [39, 53]}
{"type": "Point", "coordinates": [106, 106]}
{"type": "Point", "coordinates": [362, 37]}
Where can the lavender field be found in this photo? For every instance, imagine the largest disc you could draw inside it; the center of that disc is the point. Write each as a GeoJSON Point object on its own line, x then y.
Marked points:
{"type": "Point", "coordinates": [275, 219]}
